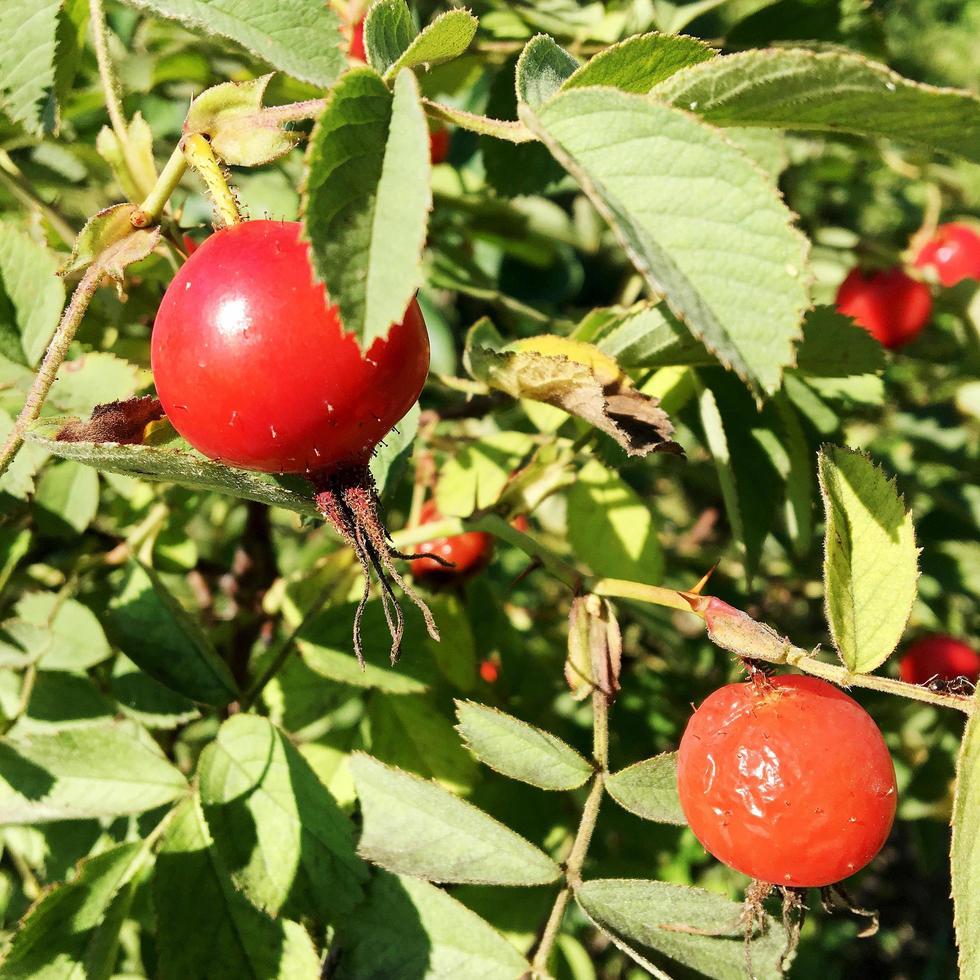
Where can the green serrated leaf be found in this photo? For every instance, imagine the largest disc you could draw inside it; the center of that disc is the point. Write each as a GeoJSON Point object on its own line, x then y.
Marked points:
{"type": "Point", "coordinates": [964, 855]}
{"type": "Point", "coordinates": [67, 499]}
{"type": "Point", "coordinates": [649, 789]}
{"type": "Point", "coordinates": [289, 846]}
{"type": "Point", "coordinates": [15, 542]}
{"type": "Point", "coordinates": [541, 70]}
{"type": "Point", "coordinates": [834, 91]}
{"type": "Point", "coordinates": [447, 37]}
{"type": "Point", "coordinates": [476, 475]}
{"type": "Point", "coordinates": [230, 115]}
{"type": "Point", "coordinates": [388, 32]}
{"type": "Point", "coordinates": [368, 199]}
{"type": "Point", "coordinates": [834, 346]}
{"type": "Point", "coordinates": [734, 273]}
{"type": "Point", "coordinates": [611, 528]}
{"type": "Point", "coordinates": [639, 914]}
{"type": "Point", "coordinates": [147, 701]}
{"type": "Point", "coordinates": [182, 466]}
{"type": "Point", "coordinates": [205, 927]}
{"type": "Point", "coordinates": [155, 632]}
{"type": "Point", "coordinates": [95, 378]}
{"type": "Point", "coordinates": [33, 293]}
{"type": "Point", "coordinates": [412, 734]}
{"type": "Point", "coordinates": [640, 62]}
{"type": "Point", "coordinates": [102, 770]}
{"type": "Point", "coordinates": [871, 563]}
{"type": "Point", "coordinates": [409, 928]}
{"type": "Point", "coordinates": [77, 639]}
{"type": "Point", "coordinates": [519, 750]}
{"type": "Point", "coordinates": [74, 928]}
{"type": "Point", "coordinates": [415, 827]}
{"type": "Point", "coordinates": [296, 36]}
{"type": "Point", "coordinates": [650, 336]}
{"type": "Point", "coordinates": [391, 458]}
{"type": "Point", "coordinates": [28, 47]}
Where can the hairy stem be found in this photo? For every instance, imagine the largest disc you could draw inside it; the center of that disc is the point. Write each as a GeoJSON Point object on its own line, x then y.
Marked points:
{"type": "Point", "coordinates": [205, 164]}
{"type": "Point", "coordinates": [583, 837]}
{"type": "Point", "coordinates": [53, 358]}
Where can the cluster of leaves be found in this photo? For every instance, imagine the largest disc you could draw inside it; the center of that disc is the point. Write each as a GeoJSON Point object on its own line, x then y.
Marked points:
{"type": "Point", "coordinates": [633, 249]}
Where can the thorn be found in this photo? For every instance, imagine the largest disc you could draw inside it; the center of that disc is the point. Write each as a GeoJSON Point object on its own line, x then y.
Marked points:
{"type": "Point", "coordinates": [704, 580]}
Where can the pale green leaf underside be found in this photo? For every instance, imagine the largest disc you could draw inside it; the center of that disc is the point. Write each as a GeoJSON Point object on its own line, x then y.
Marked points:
{"type": "Point", "coordinates": [412, 826]}
{"type": "Point", "coordinates": [368, 199]}
{"type": "Point", "coordinates": [541, 69]}
{"type": "Point", "coordinates": [274, 821]}
{"type": "Point", "coordinates": [300, 37]}
{"type": "Point", "coordinates": [388, 31]}
{"type": "Point", "coordinates": [28, 45]}
{"type": "Point", "coordinates": [95, 771]}
{"type": "Point", "coordinates": [184, 467]}
{"type": "Point", "coordinates": [519, 750]}
{"type": "Point", "coordinates": [965, 853]}
{"type": "Point", "coordinates": [828, 90]}
{"type": "Point", "coordinates": [447, 37]}
{"type": "Point", "coordinates": [74, 929]}
{"type": "Point", "coordinates": [649, 789]}
{"type": "Point", "coordinates": [409, 928]}
{"type": "Point", "coordinates": [202, 918]}
{"type": "Point", "coordinates": [697, 218]}
{"type": "Point", "coordinates": [640, 62]}
{"type": "Point", "coordinates": [870, 558]}
{"type": "Point", "coordinates": [636, 911]}
{"type": "Point", "coordinates": [29, 277]}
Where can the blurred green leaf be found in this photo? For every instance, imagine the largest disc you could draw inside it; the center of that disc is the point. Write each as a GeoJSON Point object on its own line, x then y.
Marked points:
{"type": "Point", "coordinates": [28, 47]}
{"type": "Point", "coordinates": [147, 701]}
{"type": "Point", "coordinates": [412, 826]}
{"type": "Point", "coordinates": [871, 563]}
{"type": "Point", "coordinates": [649, 789]}
{"type": "Point", "coordinates": [93, 379]}
{"type": "Point", "coordinates": [476, 475]}
{"type": "Point", "coordinates": [519, 750]}
{"type": "Point", "coordinates": [67, 499]}
{"type": "Point", "coordinates": [77, 638]}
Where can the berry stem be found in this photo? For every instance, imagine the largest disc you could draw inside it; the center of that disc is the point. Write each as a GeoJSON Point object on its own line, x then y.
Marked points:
{"type": "Point", "coordinates": [205, 164]}
{"type": "Point", "coordinates": [152, 207]}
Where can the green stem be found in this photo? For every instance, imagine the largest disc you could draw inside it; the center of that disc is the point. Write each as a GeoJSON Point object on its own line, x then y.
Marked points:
{"type": "Point", "coordinates": [205, 164]}
{"type": "Point", "coordinates": [53, 358]}
{"type": "Point", "coordinates": [615, 588]}
{"type": "Point", "coordinates": [152, 207]}
{"type": "Point", "coordinates": [583, 837]}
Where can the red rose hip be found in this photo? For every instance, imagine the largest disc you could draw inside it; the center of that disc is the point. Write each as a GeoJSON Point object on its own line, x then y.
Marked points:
{"type": "Point", "coordinates": [787, 780]}
{"type": "Point", "coordinates": [891, 305]}
{"type": "Point", "coordinates": [939, 658]}
{"type": "Point", "coordinates": [954, 252]}
{"type": "Point", "coordinates": [461, 554]}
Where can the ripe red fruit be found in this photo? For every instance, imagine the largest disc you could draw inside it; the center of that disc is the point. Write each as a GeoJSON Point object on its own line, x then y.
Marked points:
{"type": "Point", "coordinates": [356, 48]}
{"type": "Point", "coordinates": [892, 306]}
{"type": "Point", "coordinates": [439, 144]}
{"type": "Point", "coordinates": [787, 780]}
{"type": "Point", "coordinates": [253, 368]}
{"type": "Point", "coordinates": [461, 554]}
{"type": "Point", "coordinates": [939, 658]}
{"type": "Point", "coordinates": [489, 671]}
{"type": "Point", "coordinates": [954, 252]}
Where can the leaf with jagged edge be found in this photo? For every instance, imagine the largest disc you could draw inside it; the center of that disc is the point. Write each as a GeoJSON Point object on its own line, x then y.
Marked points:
{"type": "Point", "coordinates": [831, 91]}
{"type": "Point", "coordinates": [713, 237]}
{"type": "Point", "coordinates": [871, 563]}
{"type": "Point", "coordinates": [368, 199]}
{"type": "Point", "coordinates": [300, 37]}
{"type": "Point", "coordinates": [447, 37]}
{"type": "Point", "coordinates": [28, 52]}
{"type": "Point", "coordinates": [541, 70]}
{"type": "Point", "coordinates": [231, 116]}
{"type": "Point", "coordinates": [415, 827]}
{"type": "Point", "coordinates": [649, 789]}
{"type": "Point", "coordinates": [110, 241]}
{"type": "Point", "coordinates": [640, 62]}
{"type": "Point", "coordinates": [388, 31]}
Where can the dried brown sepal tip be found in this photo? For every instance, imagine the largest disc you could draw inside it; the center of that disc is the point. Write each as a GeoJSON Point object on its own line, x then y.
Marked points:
{"type": "Point", "coordinates": [834, 899]}
{"type": "Point", "coordinates": [122, 422]}
{"type": "Point", "coordinates": [348, 500]}
{"type": "Point", "coordinates": [595, 648]}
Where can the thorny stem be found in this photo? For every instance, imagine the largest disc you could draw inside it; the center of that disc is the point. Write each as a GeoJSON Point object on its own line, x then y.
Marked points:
{"type": "Point", "coordinates": [583, 837]}
{"type": "Point", "coordinates": [205, 164]}
{"type": "Point", "coordinates": [53, 358]}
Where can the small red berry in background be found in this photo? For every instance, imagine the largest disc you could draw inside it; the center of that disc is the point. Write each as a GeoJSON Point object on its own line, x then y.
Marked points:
{"type": "Point", "coordinates": [252, 366]}
{"type": "Point", "coordinates": [439, 144]}
{"type": "Point", "coordinates": [489, 671]}
{"type": "Point", "coordinates": [891, 305]}
{"type": "Point", "coordinates": [521, 523]}
{"type": "Point", "coordinates": [954, 252]}
{"type": "Point", "coordinates": [787, 780]}
{"type": "Point", "coordinates": [939, 658]}
{"type": "Point", "coordinates": [468, 552]}
{"type": "Point", "coordinates": [190, 246]}
{"type": "Point", "coordinates": [356, 48]}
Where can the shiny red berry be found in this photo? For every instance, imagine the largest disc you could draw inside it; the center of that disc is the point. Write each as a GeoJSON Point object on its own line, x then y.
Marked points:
{"type": "Point", "coordinates": [489, 671]}
{"type": "Point", "coordinates": [954, 252]}
{"type": "Point", "coordinates": [356, 48]}
{"type": "Point", "coordinates": [939, 658]}
{"type": "Point", "coordinates": [252, 366]}
{"type": "Point", "coordinates": [439, 144]}
{"type": "Point", "coordinates": [891, 305]}
{"type": "Point", "coordinates": [788, 781]}
{"type": "Point", "coordinates": [468, 552]}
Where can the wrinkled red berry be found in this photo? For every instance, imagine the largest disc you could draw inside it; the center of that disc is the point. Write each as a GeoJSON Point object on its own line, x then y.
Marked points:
{"type": "Point", "coordinates": [787, 780]}
{"type": "Point", "coordinates": [891, 305]}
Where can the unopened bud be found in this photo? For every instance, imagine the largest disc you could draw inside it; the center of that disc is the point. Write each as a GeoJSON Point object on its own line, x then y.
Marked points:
{"type": "Point", "coordinates": [736, 631]}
